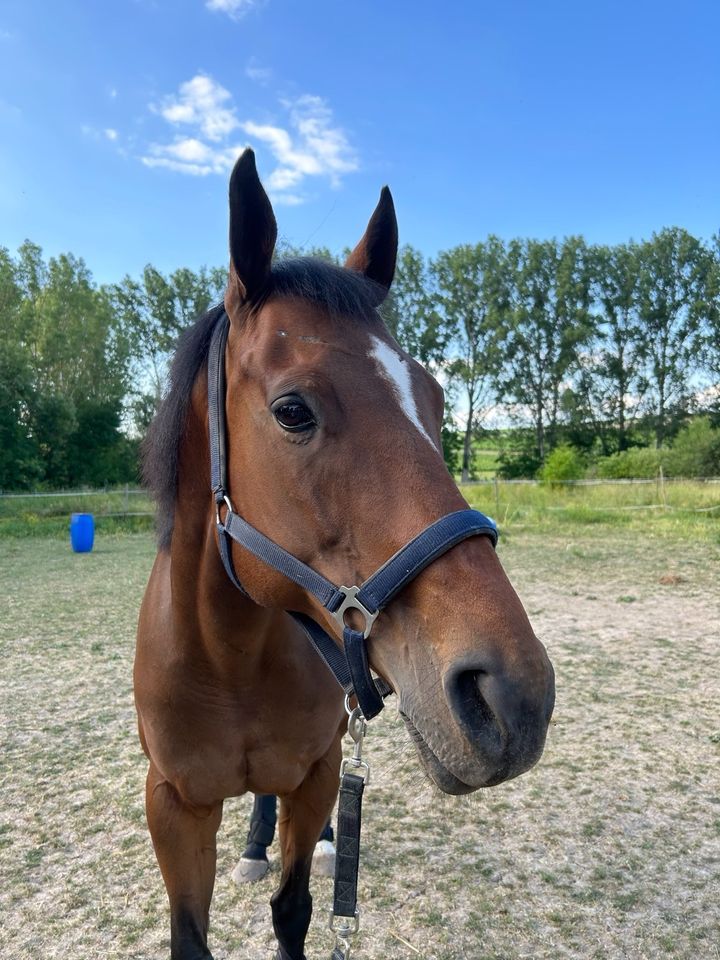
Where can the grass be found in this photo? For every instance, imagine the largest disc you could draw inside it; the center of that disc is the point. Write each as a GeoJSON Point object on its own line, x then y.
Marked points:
{"type": "Point", "coordinates": [607, 849]}
{"type": "Point", "coordinates": [679, 508]}
{"type": "Point", "coordinates": [48, 515]}
{"type": "Point", "coordinates": [683, 508]}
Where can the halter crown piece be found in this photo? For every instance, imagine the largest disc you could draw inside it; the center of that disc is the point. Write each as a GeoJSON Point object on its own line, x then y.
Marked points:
{"type": "Point", "coordinates": [349, 665]}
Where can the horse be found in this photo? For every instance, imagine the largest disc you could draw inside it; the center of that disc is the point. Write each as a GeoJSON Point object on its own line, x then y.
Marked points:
{"type": "Point", "coordinates": [331, 457]}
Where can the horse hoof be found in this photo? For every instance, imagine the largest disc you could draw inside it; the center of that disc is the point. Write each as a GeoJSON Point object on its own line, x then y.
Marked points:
{"type": "Point", "coordinates": [323, 862]}
{"type": "Point", "coordinates": [248, 871]}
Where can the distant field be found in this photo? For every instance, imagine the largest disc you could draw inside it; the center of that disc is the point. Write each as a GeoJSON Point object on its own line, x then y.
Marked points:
{"type": "Point", "coordinates": [485, 461]}
{"type": "Point", "coordinates": [607, 850]}
{"type": "Point", "coordinates": [48, 514]}
{"type": "Point", "coordinates": [671, 507]}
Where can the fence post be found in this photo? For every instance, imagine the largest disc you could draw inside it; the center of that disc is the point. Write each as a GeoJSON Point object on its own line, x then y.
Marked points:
{"type": "Point", "coordinates": [661, 484]}
{"type": "Point", "coordinates": [127, 499]}
{"type": "Point", "coordinates": [497, 500]}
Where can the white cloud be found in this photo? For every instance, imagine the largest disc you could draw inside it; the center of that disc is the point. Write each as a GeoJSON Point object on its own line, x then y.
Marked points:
{"type": "Point", "coordinates": [233, 8]}
{"type": "Point", "coordinates": [307, 145]}
{"type": "Point", "coordinates": [201, 103]}
{"type": "Point", "coordinates": [95, 133]}
{"type": "Point", "coordinates": [287, 199]}
{"type": "Point", "coordinates": [254, 71]}
{"type": "Point", "coordinates": [193, 157]}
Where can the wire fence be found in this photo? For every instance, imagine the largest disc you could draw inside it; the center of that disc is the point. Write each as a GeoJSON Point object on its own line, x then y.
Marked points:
{"type": "Point", "coordinates": [117, 502]}
{"type": "Point", "coordinates": [699, 495]}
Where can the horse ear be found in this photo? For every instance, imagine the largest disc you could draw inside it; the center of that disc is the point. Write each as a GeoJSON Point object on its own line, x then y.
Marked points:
{"type": "Point", "coordinates": [253, 230]}
{"type": "Point", "coordinates": [376, 254]}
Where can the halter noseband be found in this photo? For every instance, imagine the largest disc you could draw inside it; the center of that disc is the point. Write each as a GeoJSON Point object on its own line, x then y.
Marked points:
{"type": "Point", "coordinates": [349, 665]}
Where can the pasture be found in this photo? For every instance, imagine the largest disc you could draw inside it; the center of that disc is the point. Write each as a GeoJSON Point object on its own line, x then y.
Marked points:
{"type": "Point", "coordinates": [609, 848]}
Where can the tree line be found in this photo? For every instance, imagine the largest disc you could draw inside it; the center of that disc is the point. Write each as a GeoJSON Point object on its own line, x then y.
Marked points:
{"type": "Point", "coordinates": [601, 347]}
{"type": "Point", "coordinates": [554, 342]}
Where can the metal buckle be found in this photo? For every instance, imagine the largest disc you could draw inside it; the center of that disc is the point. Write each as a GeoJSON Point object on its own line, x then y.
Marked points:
{"type": "Point", "coordinates": [360, 768]}
{"type": "Point", "coordinates": [344, 928]}
{"type": "Point", "coordinates": [357, 727]}
{"type": "Point", "coordinates": [351, 602]}
{"type": "Point", "coordinates": [217, 510]}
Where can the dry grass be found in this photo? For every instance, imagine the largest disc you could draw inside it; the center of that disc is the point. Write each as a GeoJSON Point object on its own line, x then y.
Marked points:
{"type": "Point", "coordinates": [610, 848]}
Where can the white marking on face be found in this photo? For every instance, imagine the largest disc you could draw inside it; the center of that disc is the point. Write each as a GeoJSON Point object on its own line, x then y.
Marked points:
{"type": "Point", "coordinates": [397, 372]}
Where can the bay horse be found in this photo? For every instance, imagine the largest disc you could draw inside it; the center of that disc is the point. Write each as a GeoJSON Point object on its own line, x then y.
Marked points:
{"type": "Point", "coordinates": [333, 452]}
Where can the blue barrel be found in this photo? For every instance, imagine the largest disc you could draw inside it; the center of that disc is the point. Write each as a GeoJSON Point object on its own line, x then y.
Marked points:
{"type": "Point", "coordinates": [82, 532]}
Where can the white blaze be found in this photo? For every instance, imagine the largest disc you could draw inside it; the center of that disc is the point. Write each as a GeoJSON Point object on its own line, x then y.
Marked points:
{"type": "Point", "coordinates": [397, 372]}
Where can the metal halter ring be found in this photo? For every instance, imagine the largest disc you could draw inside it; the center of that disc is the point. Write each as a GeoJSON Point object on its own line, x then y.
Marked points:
{"type": "Point", "coordinates": [217, 508]}
{"type": "Point", "coordinates": [351, 602]}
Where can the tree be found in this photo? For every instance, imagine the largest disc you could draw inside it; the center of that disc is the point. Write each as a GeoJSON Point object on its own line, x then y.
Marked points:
{"type": "Point", "coordinates": [62, 353]}
{"type": "Point", "coordinates": [410, 310]}
{"type": "Point", "coordinates": [710, 329]}
{"type": "Point", "coordinates": [19, 465]}
{"type": "Point", "coordinates": [610, 385]}
{"type": "Point", "coordinates": [674, 282]}
{"type": "Point", "coordinates": [151, 313]}
{"type": "Point", "coordinates": [546, 321]}
{"type": "Point", "coordinates": [471, 288]}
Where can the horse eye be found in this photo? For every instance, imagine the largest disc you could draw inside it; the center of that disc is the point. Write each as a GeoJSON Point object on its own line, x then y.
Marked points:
{"type": "Point", "coordinates": [292, 414]}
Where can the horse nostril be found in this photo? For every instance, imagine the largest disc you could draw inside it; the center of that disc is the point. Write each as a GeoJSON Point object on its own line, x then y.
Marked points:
{"type": "Point", "coordinates": [471, 710]}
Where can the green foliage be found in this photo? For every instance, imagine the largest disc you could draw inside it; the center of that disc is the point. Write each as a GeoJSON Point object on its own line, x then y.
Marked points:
{"type": "Point", "coordinates": [563, 464]}
{"type": "Point", "coordinates": [598, 348]}
{"type": "Point", "coordinates": [452, 444]}
{"type": "Point", "coordinates": [545, 325]}
{"type": "Point", "coordinates": [151, 313]}
{"type": "Point", "coordinates": [610, 384]}
{"type": "Point", "coordinates": [695, 453]}
{"type": "Point", "coordinates": [470, 291]}
{"type": "Point", "coordinates": [635, 463]}
{"type": "Point", "coordinates": [517, 458]}
{"type": "Point", "coordinates": [696, 450]}
{"type": "Point", "coordinates": [409, 310]}
{"type": "Point", "coordinates": [675, 273]}
{"type": "Point", "coordinates": [520, 464]}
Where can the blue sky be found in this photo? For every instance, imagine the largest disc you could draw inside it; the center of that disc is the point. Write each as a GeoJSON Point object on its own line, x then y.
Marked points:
{"type": "Point", "coordinates": [120, 120]}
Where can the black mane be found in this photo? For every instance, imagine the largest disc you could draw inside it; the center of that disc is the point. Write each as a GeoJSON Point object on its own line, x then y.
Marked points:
{"type": "Point", "coordinates": [342, 292]}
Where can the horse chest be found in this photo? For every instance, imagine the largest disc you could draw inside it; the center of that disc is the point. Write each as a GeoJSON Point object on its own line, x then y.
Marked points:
{"type": "Point", "coordinates": [261, 748]}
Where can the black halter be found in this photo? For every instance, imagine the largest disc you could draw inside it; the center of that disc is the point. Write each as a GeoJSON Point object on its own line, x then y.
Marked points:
{"type": "Point", "coordinates": [349, 665]}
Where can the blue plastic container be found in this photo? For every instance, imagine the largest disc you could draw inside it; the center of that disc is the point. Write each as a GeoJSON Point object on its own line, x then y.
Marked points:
{"type": "Point", "coordinates": [82, 532]}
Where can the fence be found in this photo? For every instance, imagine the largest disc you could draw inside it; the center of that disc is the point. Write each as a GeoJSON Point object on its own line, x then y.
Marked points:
{"type": "Point", "coordinates": [30, 513]}
{"type": "Point", "coordinates": [502, 498]}
{"type": "Point", "coordinates": [660, 493]}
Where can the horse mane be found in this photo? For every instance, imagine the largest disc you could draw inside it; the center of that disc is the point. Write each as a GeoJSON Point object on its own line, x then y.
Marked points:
{"type": "Point", "coordinates": [342, 292]}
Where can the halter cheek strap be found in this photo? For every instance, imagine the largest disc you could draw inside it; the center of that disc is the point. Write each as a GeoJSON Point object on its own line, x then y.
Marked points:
{"type": "Point", "coordinates": [349, 664]}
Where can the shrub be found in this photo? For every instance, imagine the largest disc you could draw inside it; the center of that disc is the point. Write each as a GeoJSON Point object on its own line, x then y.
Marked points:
{"type": "Point", "coordinates": [696, 450]}
{"type": "Point", "coordinates": [636, 463]}
{"type": "Point", "coordinates": [564, 463]}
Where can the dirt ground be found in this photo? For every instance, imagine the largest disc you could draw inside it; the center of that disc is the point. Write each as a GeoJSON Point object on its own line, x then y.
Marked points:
{"type": "Point", "coordinates": [609, 848]}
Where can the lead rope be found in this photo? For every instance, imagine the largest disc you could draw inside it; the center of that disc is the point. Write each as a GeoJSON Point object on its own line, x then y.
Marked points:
{"type": "Point", "coordinates": [354, 775]}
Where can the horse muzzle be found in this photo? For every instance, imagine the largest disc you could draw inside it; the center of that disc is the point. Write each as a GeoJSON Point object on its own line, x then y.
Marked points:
{"type": "Point", "coordinates": [491, 728]}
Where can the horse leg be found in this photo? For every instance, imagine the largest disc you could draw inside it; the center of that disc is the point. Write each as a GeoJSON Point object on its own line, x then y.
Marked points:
{"type": "Point", "coordinates": [303, 814]}
{"type": "Point", "coordinates": [184, 841]}
{"type": "Point", "coordinates": [253, 864]}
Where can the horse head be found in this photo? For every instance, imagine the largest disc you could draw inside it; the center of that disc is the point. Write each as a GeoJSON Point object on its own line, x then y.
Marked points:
{"type": "Point", "coordinates": [334, 452]}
